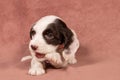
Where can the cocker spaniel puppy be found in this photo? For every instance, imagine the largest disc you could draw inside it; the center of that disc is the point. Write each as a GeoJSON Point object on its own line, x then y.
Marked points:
{"type": "Point", "coordinates": [51, 42]}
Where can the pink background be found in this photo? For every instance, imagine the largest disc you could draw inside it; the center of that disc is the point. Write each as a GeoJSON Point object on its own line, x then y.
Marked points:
{"type": "Point", "coordinates": [97, 23]}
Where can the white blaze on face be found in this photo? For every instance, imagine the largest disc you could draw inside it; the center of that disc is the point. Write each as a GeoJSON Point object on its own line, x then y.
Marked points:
{"type": "Point", "coordinates": [38, 39]}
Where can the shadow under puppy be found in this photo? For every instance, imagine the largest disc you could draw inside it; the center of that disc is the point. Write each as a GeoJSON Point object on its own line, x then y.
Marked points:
{"type": "Point", "coordinates": [51, 42]}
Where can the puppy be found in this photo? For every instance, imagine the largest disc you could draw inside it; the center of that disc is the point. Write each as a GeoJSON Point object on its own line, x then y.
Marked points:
{"type": "Point", "coordinates": [51, 42]}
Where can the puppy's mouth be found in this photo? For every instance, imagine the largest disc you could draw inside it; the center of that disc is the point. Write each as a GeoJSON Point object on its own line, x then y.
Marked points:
{"type": "Point", "coordinates": [39, 55]}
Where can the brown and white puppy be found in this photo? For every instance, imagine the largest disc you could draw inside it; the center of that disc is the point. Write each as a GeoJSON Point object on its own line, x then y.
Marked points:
{"type": "Point", "coordinates": [52, 41]}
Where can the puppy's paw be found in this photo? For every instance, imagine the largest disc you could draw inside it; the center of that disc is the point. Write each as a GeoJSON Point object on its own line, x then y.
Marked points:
{"type": "Point", "coordinates": [54, 58]}
{"type": "Point", "coordinates": [36, 71]}
{"type": "Point", "coordinates": [72, 61]}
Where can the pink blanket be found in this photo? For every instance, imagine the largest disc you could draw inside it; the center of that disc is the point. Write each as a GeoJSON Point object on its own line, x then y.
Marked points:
{"type": "Point", "coordinates": [96, 22]}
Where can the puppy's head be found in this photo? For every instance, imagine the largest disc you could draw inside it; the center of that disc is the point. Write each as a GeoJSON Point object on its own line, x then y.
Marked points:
{"type": "Point", "coordinates": [48, 33]}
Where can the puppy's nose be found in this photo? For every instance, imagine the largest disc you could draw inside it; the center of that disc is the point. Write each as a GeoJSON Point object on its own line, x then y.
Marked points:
{"type": "Point", "coordinates": [34, 47]}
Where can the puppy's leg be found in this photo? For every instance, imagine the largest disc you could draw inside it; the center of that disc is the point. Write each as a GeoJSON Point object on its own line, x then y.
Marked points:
{"type": "Point", "coordinates": [55, 59]}
{"type": "Point", "coordinates": [69, 54]}
{"type": "Point", "coordinates": [36, 68]}
{"type": "Point", "coordinates": [69, 57]}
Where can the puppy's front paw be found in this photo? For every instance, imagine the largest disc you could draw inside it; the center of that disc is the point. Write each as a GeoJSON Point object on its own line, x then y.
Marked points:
{"type": "Point", "coordinates": [72, 61]}
{"type": "Point", "coordinates": [54, 57]}
{"type": "Point", "coordinates": [36, 71]}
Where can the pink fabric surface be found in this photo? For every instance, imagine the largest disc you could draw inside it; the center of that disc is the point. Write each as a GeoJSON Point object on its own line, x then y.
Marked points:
{"type": "Point", "coordinates": [97, 23]}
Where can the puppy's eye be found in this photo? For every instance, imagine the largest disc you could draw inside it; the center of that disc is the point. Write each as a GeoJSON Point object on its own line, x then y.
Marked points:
{"type": "Point", "coordinates": [33, 32]}
{"type": "Point", "coordinates": [49, 36]}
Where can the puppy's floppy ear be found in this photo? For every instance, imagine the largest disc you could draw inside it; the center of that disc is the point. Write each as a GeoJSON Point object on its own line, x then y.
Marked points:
{"type": "Point", "coordinates": [65, 32]}
{"type": "Point", "coordinates": [67, 37]}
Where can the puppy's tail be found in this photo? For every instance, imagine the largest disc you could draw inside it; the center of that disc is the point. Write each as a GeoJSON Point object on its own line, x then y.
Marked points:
{"type": "Point", "coordinates": [26, 58]}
